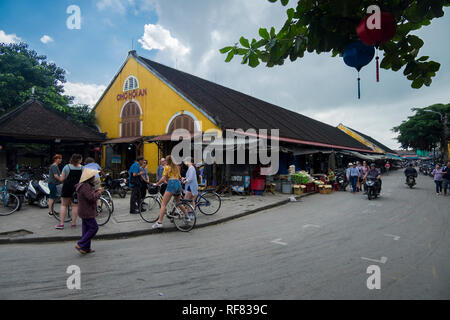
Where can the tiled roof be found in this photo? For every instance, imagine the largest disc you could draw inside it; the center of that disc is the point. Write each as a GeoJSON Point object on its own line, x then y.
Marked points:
{"type": "Point", "coordinates": [33, 120]}
{"type": "Point", "coordinates": [234, 110]}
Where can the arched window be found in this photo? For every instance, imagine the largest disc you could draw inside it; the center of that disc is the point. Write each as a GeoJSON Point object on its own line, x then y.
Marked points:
{"type": "Point", "coordinates": [182, 122]}
{"type": "Point", "coordinates": [131, 122]}
{"type": "Point", "coordinates": [131, 83]}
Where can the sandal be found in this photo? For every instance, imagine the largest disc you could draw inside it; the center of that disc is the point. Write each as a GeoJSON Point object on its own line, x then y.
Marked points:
{"type": "Point", "coordinates": [80, 250]}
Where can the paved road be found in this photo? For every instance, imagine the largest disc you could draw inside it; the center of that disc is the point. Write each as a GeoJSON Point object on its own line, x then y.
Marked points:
{"type": "Point", "coordinates": [314, 249]}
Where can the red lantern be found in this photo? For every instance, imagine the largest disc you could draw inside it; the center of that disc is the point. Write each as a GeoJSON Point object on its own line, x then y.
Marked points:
{"type": "Point", "coordinates": [375, 37]}
{"type": "Point", "coordinates": [97, 149]}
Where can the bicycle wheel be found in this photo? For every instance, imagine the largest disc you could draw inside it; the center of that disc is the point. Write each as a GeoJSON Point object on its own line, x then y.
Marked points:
{"type": "Point", "coordinates": [209, 203]}
{"type": "Point", "coordinates": [68, 217]}
{"type": "Point", "coordinates": [179, 218]}
{"type": "Point", "coordinates": [104, 212]}
{"type": "Point", "coordinates": [107, 196]}
{"type": "Point", "coordinates": [149, 209]}
{"type": "Point", "coordinates": [9, 203]}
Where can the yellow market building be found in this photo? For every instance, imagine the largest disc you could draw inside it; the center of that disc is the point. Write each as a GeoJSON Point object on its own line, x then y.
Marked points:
{"type": "Point", "coordinates": [146, 101]}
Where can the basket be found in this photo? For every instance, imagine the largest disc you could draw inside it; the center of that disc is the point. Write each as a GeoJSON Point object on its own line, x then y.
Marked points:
{"type": "Point", "coordinates": [12, 186]}
{"type": "Point", "coordinates": [326, 189]}
{"type": "Point", "coordinates": [152, 189]}
{"type": "Point", "coordinates": [298, 190]}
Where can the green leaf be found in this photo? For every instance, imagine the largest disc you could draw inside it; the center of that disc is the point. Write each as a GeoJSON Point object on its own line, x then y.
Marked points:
{"type": "Point", "coordinates": [226, 49]}
{"type": "Point", "coordinates": [253, 60]}
{"type": "Point", "coordinates": [264, 33]}
{"type": "Point", "coordinates": [417, 83]}
{"type": "Point", "coordinates": [244, 42]}
{"type": "Point", "coordinates": [284, 2]}
{"type": "Point", "coordinates": [290, 13]}
{"type": "Point", "coordinates": [423, 58]}
{"type": "Point", "coordinates": [230, 56]}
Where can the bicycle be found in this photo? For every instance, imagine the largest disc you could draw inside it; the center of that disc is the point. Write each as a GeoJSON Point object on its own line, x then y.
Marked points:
{"type": "Point", "coordinates": [9, 203]}
{"type": "Point", "coordinates": [108, 197]}
{"type": "Point", "coordinates": [104, 212]}
{"type": "Point", "coordinates": [150, 207]}
{"type": "Point", "coordinates": [209, 202]}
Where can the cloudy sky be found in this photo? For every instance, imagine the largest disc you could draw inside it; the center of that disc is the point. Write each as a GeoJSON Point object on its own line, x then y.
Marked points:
{"type": "Point", "coordinates": [188, 34]}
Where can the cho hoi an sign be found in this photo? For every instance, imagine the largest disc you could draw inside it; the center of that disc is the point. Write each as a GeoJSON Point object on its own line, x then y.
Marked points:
{"type": "Point", "coordinates": [131, 94]}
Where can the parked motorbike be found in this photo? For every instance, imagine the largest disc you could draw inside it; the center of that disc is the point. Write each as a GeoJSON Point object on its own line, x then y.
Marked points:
{"type": "Point", "coordinates": [372, 186]}
{"type": "Point", "coordinates": [116, 186]}
{"type": "Point", "coordinates": [341, 179]}
{"type": "Point", "coordinates": [38, 192]}
{"type": "Point", "coordinates": [411, 181]}
{"type": "Point", "coordinates": [18, 186]}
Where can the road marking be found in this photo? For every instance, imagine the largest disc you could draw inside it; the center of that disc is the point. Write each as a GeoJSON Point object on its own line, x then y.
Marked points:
{"type": "Point", "coordinates": [383, 260]}
{"type": "Point", "coordinates": [278, 241]}
{"type": "Point", "coordinates": [393, 236]}
{"type": "Point", "coordinates": [310, 226]}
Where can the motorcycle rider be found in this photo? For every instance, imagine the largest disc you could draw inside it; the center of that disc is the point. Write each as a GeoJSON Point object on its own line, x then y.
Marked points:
{"type": "Point", "coordinates": [375, 174]}
{"type": "Point", "coordinates": [410, 171]}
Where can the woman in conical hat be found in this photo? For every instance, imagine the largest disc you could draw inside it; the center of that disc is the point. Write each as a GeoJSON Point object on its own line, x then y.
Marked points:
{"type": "Point", "coordinates": [87, 209]}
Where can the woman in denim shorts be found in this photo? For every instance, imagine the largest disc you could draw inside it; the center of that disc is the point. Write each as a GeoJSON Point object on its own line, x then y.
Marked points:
{"type": "Point", "coordinates": [171, 176]}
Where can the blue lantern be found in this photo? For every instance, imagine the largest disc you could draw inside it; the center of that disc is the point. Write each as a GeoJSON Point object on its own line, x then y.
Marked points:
{"type": "Point", "coordinates": [358, 55]}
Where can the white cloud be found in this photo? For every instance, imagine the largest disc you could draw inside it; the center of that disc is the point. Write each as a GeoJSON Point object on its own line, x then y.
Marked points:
{"type": "Point", "coordinates": [84, 93]}
{"type": "Point", "coordinates": [46, 39]}
{"type": "Point", "coordinates": [157, 37]}
{"type": "Point", "coordinates": [8, 38]}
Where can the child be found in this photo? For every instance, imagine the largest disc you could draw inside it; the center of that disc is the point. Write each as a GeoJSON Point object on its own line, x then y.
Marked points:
{"type": "Point", "coordinates": [87, 209]}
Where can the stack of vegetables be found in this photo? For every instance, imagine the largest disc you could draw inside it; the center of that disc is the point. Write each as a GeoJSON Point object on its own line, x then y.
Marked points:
{"type": "Point", "coordinates": [301, 178]}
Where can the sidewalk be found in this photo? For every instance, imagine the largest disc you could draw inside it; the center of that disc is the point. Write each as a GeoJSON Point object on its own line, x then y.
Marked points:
{"type": "Point", "coordinates": [33, 225]}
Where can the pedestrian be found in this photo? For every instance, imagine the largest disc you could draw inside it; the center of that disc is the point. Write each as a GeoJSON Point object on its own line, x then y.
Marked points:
{"type": "Point", "coordinates": [358, 184]}
{"type": "Point", "coordinates": [331, 177]}
{"type": "Point", "coordinates": [135, 185]}
{"type": "Point", "coordinates": [54, 179]}
{"type": "Point", "coordinates": [364, 169]}
{"type": "Point", "coordinates": [71, 175]}
{"type": "Point", "coordinates": [160, 170]}
{"type": "Point", "coordinates": [91, 164]}
{"type": "Point", "coordinates": [144, 179]}
{"type": "Point", "coordinates": [87, 209]}
{"type": "Point", "coordinates": [438, 177]}
{"type": "Point", "coordinates": [171, 176]}
{"type": "Point", "coordinates": [191, 183]}
{"type": "Point", "coordinates": [387, 166]}
{"type": "Point", "coordinates": [446, 178]}
{"type": "Point", "coordinates": [353, 175]}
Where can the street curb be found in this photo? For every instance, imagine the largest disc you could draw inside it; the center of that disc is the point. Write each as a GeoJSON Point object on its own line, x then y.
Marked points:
{"type": "Point", "coordinates": [138, 233]}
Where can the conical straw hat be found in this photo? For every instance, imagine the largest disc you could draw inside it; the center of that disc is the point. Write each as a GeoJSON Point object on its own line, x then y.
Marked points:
{"type": "Point", "coordinates": [87, 174]}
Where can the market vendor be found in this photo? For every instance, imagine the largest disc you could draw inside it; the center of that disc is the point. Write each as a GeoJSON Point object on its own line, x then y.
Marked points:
{"type": "Point", "coordinates": [331, 176]}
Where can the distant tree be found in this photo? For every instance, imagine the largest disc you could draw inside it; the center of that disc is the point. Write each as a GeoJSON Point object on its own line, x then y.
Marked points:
{"type": "Point", "coordinates": [22, 69]}
{"type": "Point", "coordinates": [330, 26]}
{"type": "Point", "coordinates": [423, 130]}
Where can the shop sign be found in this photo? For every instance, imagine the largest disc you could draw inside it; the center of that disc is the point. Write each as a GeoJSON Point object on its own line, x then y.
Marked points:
{"type": "Point", "coordinates": [116, 159]}
{"type": "Point", "coordinates": [131, 94]}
